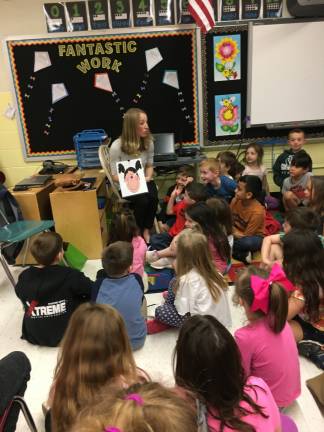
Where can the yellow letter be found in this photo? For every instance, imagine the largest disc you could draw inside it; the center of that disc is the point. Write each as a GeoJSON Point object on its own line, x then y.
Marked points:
{"type": "Point", "coordinates": [95, 62]}
{"type": "Point", "coordinates": [70, 50]}
{"type": "Point", "coordinates": [131, 46]}
{"type": "Point", "coordinates": [80, 49]}
{"type": "Point", "coordinates": [105, 63]}
{"type": "Point", "coordinates": [61, 49]}
{"type": "Point", "coordinates": [116, 65]}
{"type": "Point", "coordinates": [99, 49]}
{"type": "Point", "coordinates": [90, 47]}
{"type": "Point", "coordinates": [109, 48]}
{"type": "Point", "coordinates": [84, 66]}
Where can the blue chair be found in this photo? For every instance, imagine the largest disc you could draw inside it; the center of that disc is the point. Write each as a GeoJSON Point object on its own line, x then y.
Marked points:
{"type": "Point", "coordinates": [16, 232]}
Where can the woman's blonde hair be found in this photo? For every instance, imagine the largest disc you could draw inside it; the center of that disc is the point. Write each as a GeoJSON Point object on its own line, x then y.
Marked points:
{"type": "Point", "coordinates": [193, 253]}
{"type": "Point", "coordinates": [95, 351]}
{"type": "Point", "coordinates": [131, 143]}
{"type": "Point", "coordinates": [155, 409]}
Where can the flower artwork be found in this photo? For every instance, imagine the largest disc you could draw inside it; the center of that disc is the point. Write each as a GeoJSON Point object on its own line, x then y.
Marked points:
{"type": "Point", "coordinates": [228, 114]}
{"type": "Point", "coordinates": [227, 58]}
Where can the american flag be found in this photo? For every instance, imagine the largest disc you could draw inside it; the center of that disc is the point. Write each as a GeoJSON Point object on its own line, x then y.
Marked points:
{"type": "Point", "coordinates": [202, 12]}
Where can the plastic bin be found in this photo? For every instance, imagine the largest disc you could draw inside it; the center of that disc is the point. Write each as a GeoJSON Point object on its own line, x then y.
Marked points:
{"type": "Point", "coordinates": [86, 145]}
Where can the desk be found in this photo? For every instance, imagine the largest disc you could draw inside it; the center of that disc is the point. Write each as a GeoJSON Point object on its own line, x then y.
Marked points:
{"type": "Point", "coordinates": [181, 160]}
{"type": "Point", "coordinates": [77, 216]}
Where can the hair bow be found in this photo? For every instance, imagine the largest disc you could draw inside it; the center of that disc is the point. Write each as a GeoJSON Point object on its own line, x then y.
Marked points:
{"type": "Point", "coordinates": [111, 429]}
{"type": "Point", "coordinates": [261, 287]}
{"type": "Point", "coordinates": [135, 397]}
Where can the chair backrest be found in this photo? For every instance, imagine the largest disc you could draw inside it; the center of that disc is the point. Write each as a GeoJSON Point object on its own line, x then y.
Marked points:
{"type": "Point", "coordinates": [24, 409]}
{"type": "Point", "coordinates": [105, 163]}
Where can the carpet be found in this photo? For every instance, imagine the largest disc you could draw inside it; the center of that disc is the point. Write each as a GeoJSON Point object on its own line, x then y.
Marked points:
{"type": "Point", "coordinates": [236, 268]}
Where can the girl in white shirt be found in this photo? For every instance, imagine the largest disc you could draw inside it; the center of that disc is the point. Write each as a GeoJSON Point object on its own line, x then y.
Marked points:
{"type": "Point", "coordinates": [198, 288]}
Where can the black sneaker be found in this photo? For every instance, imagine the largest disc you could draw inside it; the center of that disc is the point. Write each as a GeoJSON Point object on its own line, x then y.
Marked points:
{"type": "Point", "coordinates": [313, 351]}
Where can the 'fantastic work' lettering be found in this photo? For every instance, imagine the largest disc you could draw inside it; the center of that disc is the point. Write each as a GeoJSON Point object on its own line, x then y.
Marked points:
{"type": "Point", "coordinates": [97, 53]}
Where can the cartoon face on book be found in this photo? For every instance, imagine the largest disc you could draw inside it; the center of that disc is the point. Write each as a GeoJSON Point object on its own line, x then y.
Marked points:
{"type": "Point", "coordinates": [131, 177]}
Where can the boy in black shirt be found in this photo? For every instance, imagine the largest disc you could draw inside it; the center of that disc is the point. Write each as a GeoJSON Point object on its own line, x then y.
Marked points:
{"type": "Point", "coordinates": [50, 293]}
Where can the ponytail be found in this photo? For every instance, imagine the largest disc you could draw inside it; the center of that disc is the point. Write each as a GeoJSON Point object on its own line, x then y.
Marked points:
{"type": "Point", "coordinates": [278, 307]}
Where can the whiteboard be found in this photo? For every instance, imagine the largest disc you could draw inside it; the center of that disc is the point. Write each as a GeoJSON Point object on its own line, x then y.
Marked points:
{"type": "Point", "coordinates": [286, 73]}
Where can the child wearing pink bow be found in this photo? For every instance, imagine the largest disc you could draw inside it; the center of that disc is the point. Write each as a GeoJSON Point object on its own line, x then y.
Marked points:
{"type": "Point", "coordinates": [267, 344]}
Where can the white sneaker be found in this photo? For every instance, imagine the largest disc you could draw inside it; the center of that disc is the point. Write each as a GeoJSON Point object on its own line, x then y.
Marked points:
{"type": "Point", "coordinates": [151, 256]}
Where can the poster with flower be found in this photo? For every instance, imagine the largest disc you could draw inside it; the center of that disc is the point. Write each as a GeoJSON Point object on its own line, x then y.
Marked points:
{"type": "Point", "coordinates": [228, 114]}
{"type": "Point", "coordinates": [227, 57]}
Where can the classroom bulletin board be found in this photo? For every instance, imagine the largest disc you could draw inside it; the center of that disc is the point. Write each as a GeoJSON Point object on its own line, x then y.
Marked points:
{"type": "Point", "coordinates": [64, 85]}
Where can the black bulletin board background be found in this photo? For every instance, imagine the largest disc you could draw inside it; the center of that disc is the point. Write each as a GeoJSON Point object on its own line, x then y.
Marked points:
{"type": "Point", "coordinates": [87, 107]}
{"type": "Point", "coordinates": [212, 88]}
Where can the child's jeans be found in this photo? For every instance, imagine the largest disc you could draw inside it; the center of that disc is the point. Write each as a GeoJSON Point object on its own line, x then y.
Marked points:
{"type": "Point", "coordinates": [160, 241]}
{"type": "Point", "coordinates": [242, 246]}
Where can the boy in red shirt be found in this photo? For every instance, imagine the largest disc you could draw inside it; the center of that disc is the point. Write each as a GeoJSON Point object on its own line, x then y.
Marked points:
{"type": "Point", "coordinates": [194, 192]}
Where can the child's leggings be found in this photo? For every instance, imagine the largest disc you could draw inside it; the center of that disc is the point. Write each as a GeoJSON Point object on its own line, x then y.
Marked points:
{"type": "Point", "coordinates": [167, 313]}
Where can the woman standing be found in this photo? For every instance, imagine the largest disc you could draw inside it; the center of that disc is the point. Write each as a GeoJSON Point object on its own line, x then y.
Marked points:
{"type": "Point", "coordinates": [136, 142]}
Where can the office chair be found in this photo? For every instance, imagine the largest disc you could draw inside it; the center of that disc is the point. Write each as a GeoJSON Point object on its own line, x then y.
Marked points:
{"type": "Point", "coordinates": [23, 408]}
{"type": "Point", "coordinates": [19, 231]}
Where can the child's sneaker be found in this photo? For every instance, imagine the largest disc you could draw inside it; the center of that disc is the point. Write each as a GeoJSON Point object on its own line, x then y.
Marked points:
{"type": "Point", "coordinates": [152, 256]}
{"type": "Point", "coordinates": [312, 350]}
{"type": "Point", "coordinates": [154, 326]}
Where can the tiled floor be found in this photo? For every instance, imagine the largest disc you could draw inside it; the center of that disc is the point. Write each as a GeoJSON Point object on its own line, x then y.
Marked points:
{"type": "Point", "coordinates": [154, 357]}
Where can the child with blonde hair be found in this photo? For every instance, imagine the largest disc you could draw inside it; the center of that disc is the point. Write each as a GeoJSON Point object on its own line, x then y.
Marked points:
{"type": "Point", "coordinates": [216, 184]}
{"type": "Point", "coordinates": [197, 289]}
{"type": "Point", "coordinates": [144, 407]}
{"type": "Point", "coordinates": [264, 298]}
{"type": "Point", "coordinates": [95, 353]}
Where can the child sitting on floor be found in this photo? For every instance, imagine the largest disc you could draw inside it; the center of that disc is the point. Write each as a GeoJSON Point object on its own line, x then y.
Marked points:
{"type": "Point", "coordinates": [294, 186]}
{"type": "Point", "coordinates": [201, 217]}
{"type": "Point", "coordinates": [124, 228]}
{"type": "Point", "coordinates": [147, 407]}
{"type": "Point", "coordinates": [253, 164]}
{"type": "Point", "coordinates": [315, 194]}
{"type": "Point", "coordinates": [227, 161]}
{"type": "Point", "coordinates": [95, 355]}
{"type": "Point", "coordinates": [197, 289]}
{"type": "Point", "coordinates": [303, 258]}
{"type": "Point", "coordinates": [297, 218]}
{"type": "Point", "coordinates": [248, 218]}
{"type": "Point", "coordinates": [208, 369]}
{"type": "Point", "coordinates": [122, 290]}
{"type": "Point", "coordinates": [194, 192]}
{"type": "Point", "coordinates": [265, 301]}
{"type": "Point", "coordinates": [217, 185]}
{"type": "Point", "coordinates": [185, 175]}
{"type": "Point", "coordinates": [223, 216]}
{"type": "Point", "coordinates": [50, 293]}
